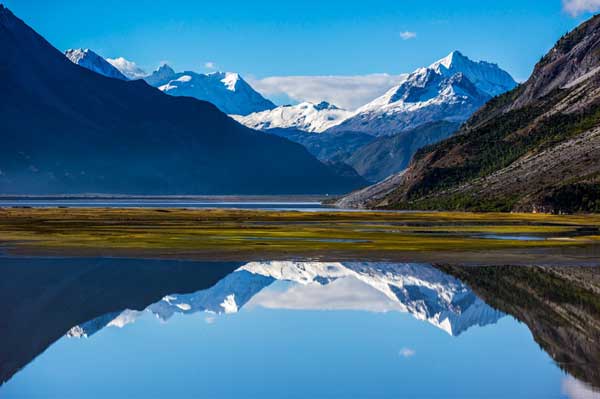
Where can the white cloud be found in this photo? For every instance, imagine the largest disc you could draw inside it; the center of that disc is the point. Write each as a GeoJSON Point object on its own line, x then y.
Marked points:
{"type": "Point", "coordinates": [210, 65]}
{"type": "Point", "coordinates": [578, 7]}
{"type": "Point", "coordinates": [348, 92]}
{"type": "Point", "coordinates": [575, 389]}
{"type": "Point", "coordinates": [347, 293]}
{"type": "Point", "coordinates": [407, 352]}
{"type": "Point", "coordinates": [127, 68]}
{"type": "Point", "coordinates": [407, 35]}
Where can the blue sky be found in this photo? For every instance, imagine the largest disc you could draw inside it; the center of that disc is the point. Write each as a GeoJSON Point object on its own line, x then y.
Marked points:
{"type": "Point", "coordinates": [276, 38]}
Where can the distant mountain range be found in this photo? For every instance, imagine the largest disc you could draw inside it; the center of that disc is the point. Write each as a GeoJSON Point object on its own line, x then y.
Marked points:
{"type": "Point", "coordinates": [420, 290]}
{"type": "Point", "coordinates": [535, 148]}
{"type": "Point", "coordinates": [228, 91]}
{"type": "Point", "coordinates": [428, 106]}
{"type": "Point", "coordinates": [450, 89]}
{"type": "Point", "coordinates": [67, 130]}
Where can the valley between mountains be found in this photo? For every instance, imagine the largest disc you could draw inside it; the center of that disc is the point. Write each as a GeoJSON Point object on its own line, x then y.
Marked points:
{"type": "Point", "coordinates": [458, 134]}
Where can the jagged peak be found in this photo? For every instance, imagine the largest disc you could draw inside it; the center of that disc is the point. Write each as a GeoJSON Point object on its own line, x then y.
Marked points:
{"type": "Point", "coordinates": [451, 59]}
{"type": "Point", "coordinates": [456, 60]}
{"type": "Point", "coordinates": [165, 68]}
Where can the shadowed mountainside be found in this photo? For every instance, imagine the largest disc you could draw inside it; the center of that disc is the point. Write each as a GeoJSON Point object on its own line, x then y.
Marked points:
{"type": "Point", "coordinates": [42, 298]}
{"type": "Point", "coordinates": [67, 130]}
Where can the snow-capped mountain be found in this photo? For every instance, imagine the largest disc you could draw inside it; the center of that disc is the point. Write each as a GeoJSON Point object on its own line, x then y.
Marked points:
{"type": "Point", "coordinates": [421, 290]}
{"type": "Point", "coordinates": [450, 89]}
{"type": "Point", "coordinates": [127, 68]}
{"type": "Point", "coordinates": [306, 116]}
{"type": "Point", "coordinates": [92, 61]}
{"type": "Point", "coordinates": [228, 91]}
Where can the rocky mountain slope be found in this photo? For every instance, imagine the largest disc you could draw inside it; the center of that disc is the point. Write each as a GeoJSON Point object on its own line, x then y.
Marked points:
{"type": "Point", "coordinates": [387, 155]}
{"type": "Point", "coordinates": [227, 90]}
{"type": "Point", "coordinates": [535, 148]}
{"type": "Point", "coordinates": [450, 89]}
{"type": "Point", "coordinates": [306, 116]}
{"type": "Point", "coordinates": [88, 59]}
{"type": "Point", "coordinates": [66, 129]}
{"type": "Point", "coordinates": [328, 147]}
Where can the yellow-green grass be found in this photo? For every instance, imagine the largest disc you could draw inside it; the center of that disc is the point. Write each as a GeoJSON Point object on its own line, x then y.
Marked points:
{"type": "Point", "coordinates": [220, 232]}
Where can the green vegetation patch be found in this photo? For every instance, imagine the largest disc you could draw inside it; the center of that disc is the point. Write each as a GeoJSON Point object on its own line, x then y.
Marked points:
{"type": "Point", "coordinates": [293, 233]}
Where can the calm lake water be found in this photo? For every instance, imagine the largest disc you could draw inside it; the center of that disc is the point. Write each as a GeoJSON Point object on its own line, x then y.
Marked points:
{"type": "Point", "coordinates": [111, 328]}
{"type": "Point", "coordinates": [300, 205]}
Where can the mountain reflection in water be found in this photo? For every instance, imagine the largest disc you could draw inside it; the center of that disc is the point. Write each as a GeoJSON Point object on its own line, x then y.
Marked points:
{"type": "Point", "coordinates": [425, 292]}
{"type": "Point", "coordinates": [46, 299]}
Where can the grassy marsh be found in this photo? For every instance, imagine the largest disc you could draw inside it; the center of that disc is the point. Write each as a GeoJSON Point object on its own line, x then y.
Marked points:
{"type": "Point", "coordinates": [250, 233]}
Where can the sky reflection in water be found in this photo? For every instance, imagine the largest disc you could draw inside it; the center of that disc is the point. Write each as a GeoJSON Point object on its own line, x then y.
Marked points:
{"type": "Point", "coordinates": [286, 329]}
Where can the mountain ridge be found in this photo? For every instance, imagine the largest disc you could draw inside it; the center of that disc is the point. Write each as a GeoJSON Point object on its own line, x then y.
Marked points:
{"type": "Point", "coordinates": [86, 58]}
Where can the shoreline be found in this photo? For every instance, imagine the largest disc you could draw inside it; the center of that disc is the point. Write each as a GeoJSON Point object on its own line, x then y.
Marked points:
{"type": "Point", "coordinates": [234, 234]}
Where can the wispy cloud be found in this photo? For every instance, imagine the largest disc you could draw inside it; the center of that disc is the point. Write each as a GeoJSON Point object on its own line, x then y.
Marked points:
{"type": "Point", "coordinates": [210, 65]}
{"type": "Point", "coordinates": [575, 389]}
{"type": "Point", "coordinates": [127, 68]}
{"type": "Point", "coordinates": [407, 352]}
{"type": "Point", "coordinates": [578, 7]}
{"type": "Point", "coordinates": [348, 92]}
{"type": "Point", "coordinates": [407, 35]}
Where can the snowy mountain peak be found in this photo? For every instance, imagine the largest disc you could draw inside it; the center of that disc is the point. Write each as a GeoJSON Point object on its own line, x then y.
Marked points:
{"type": "Point", "coordinates": [88, 59]}
{"type": "Point", "coordinates": [454, 58]}
{"type": "Point", "coordinates": [450, 89]}
{"type": "Point", "coordinates": [488, 77]}
{"type": "Point", "coordinates": [305, 116]}
{"type": "Point", "coordinates": [418, 289]}
{"type": "Point", "coordinates": [227, 90]}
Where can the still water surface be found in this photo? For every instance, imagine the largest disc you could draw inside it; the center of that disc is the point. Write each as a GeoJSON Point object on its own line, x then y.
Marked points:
{"type": "Point", "coordinates": [168, 203]}
{"type": "Point", "coordinates": [98, 328]}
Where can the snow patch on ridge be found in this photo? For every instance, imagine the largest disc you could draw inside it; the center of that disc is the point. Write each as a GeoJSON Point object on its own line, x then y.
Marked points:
{"type": "Point", "coordinates": [306, 116]}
